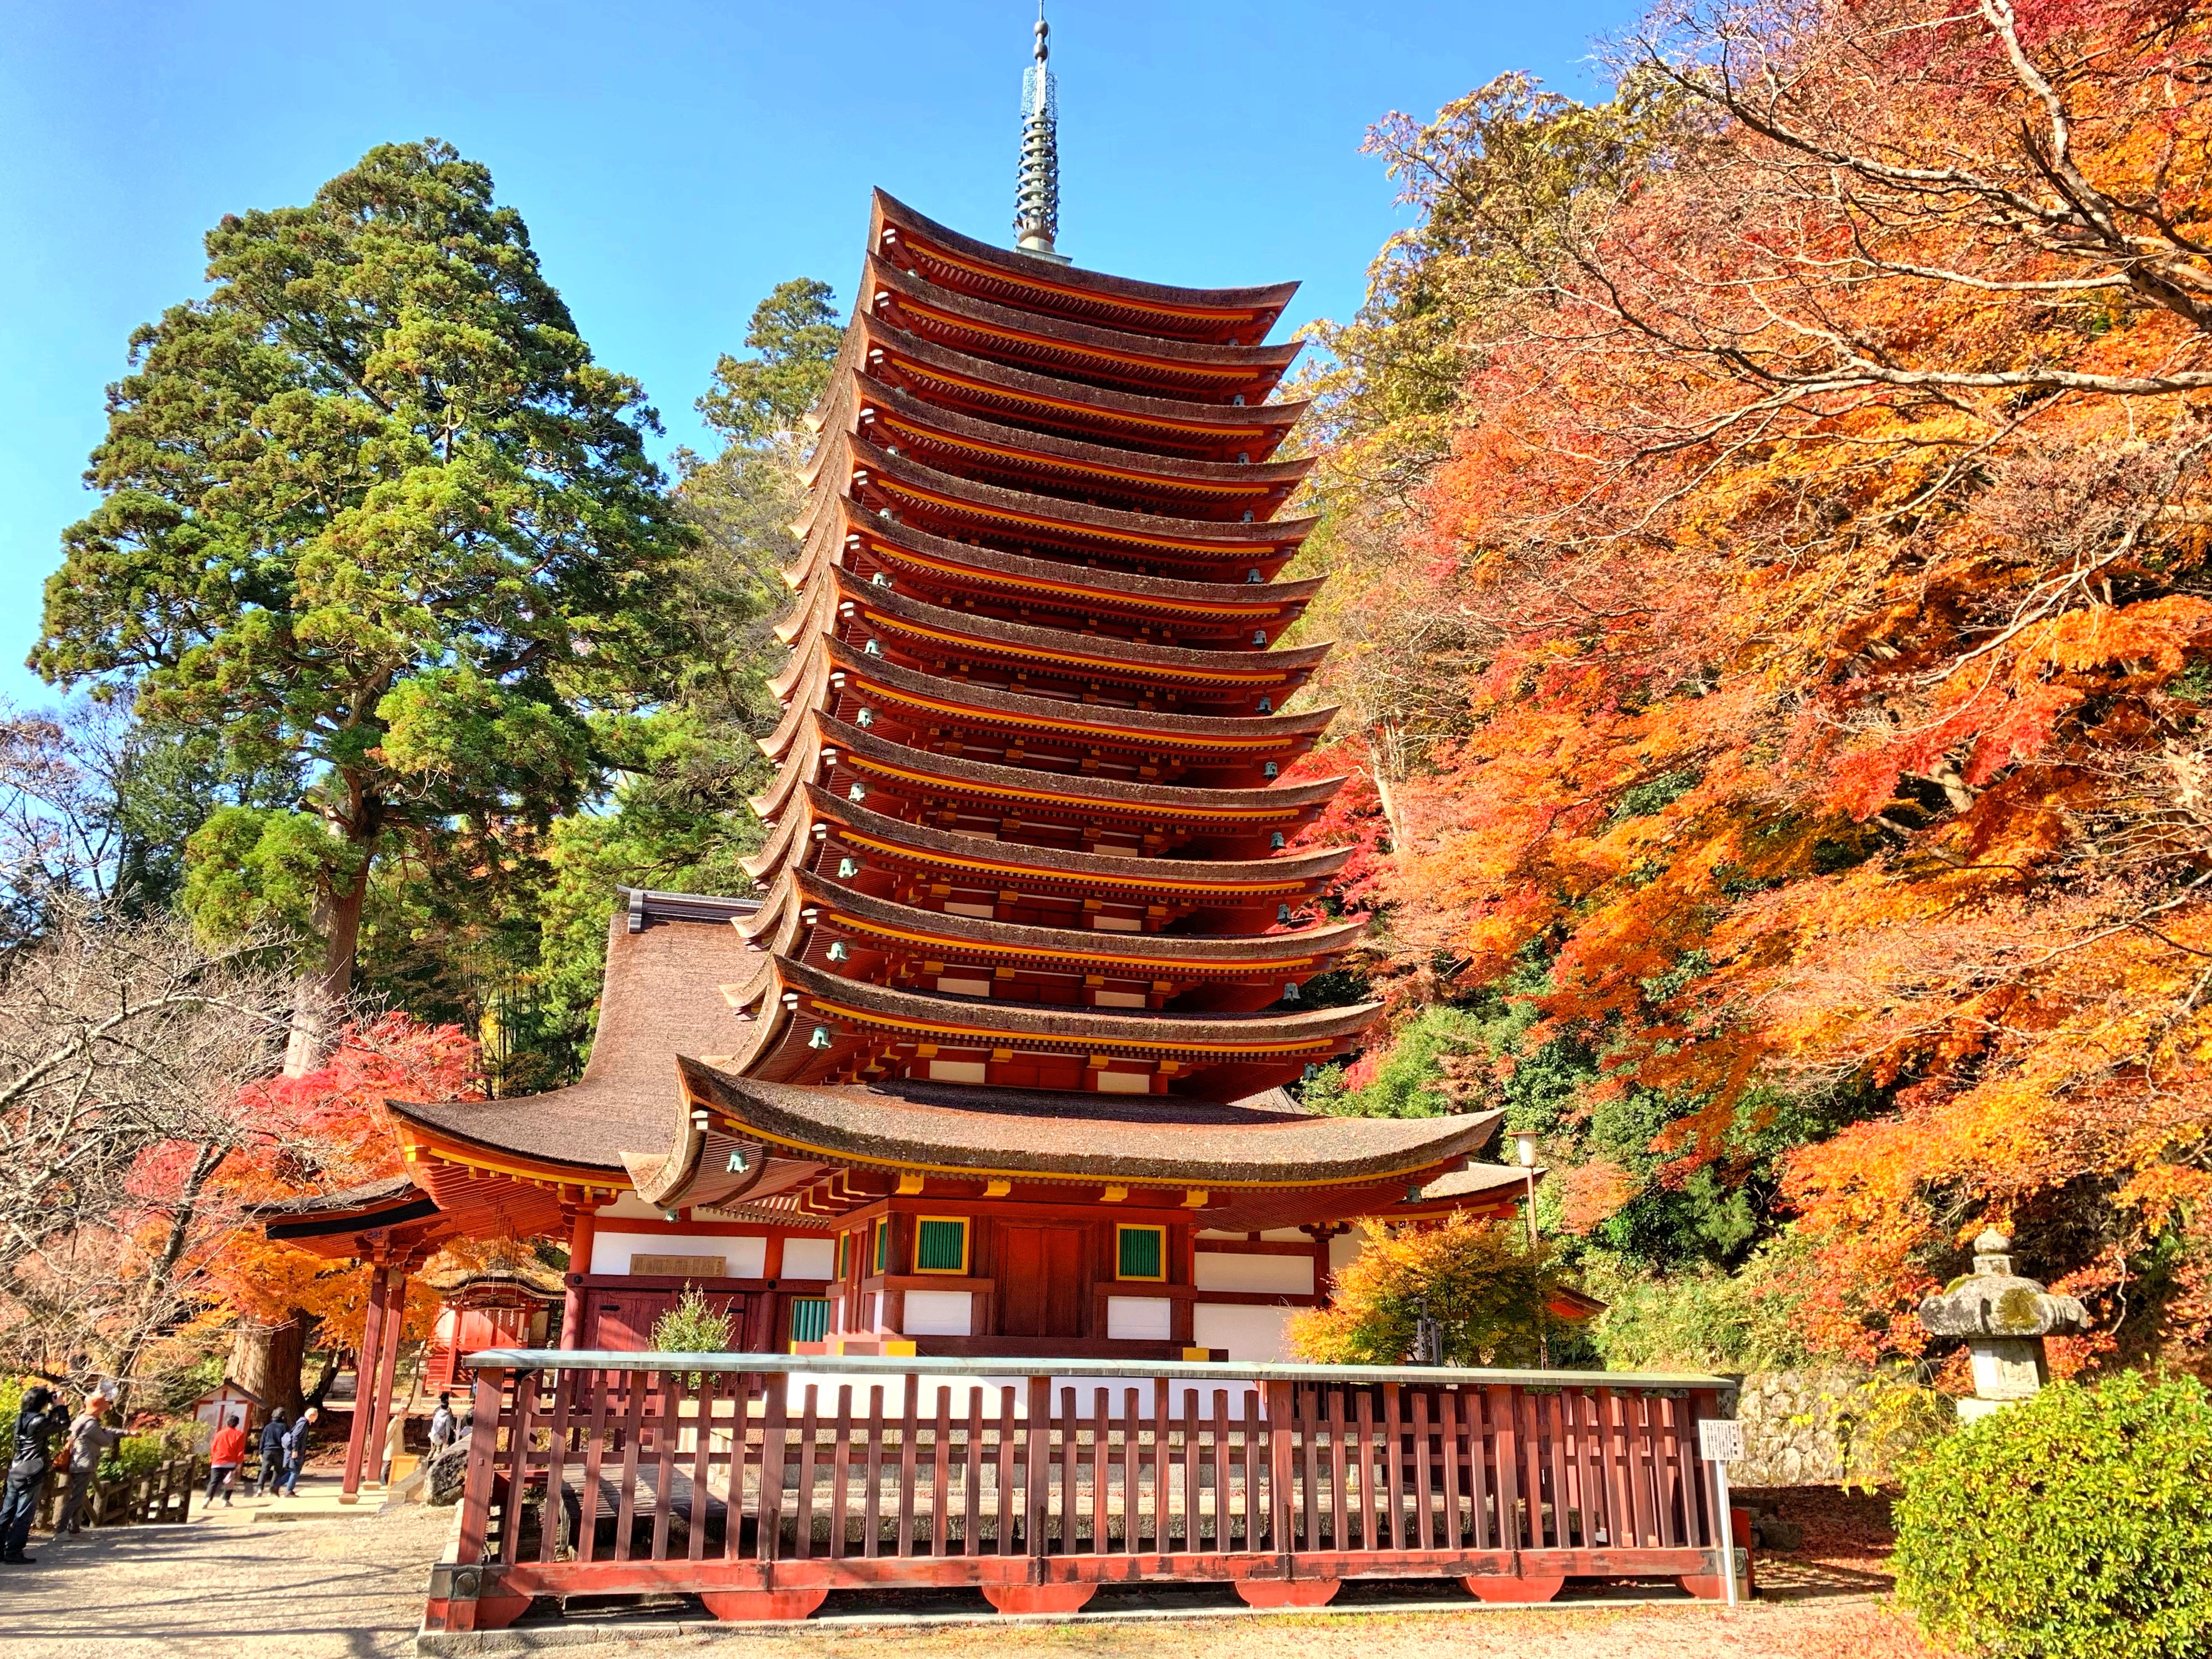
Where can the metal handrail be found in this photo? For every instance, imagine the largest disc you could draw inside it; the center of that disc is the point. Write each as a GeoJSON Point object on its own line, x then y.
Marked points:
{"type": "Point", "coordinates": [597, 1359]}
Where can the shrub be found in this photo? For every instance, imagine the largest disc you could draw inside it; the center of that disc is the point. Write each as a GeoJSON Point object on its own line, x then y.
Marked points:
{"type": "Point", "coordinates": [2076, 1525]}
{"type": "Point", "coordinates": [694, 1325]}
{"type": "Point", "coordinates": [1486, 1288]}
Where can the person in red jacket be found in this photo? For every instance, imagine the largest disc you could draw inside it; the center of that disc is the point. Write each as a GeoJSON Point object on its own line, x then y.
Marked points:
{"type": "Point", "coordinates": [225, 1453]}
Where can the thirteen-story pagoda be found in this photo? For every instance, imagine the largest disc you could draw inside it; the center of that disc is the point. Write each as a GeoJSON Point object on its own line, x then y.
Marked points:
{"type": "Point", "coordinates": [996, 1061]}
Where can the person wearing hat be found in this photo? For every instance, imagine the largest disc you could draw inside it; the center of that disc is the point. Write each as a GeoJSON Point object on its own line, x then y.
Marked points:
{"type": "Point", "coordinates": [90, 1439]}
{"type": "Point", "coordinates": [40, 1420]}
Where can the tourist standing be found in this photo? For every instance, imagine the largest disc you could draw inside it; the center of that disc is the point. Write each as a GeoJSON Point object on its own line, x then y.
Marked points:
{"type": "Point", "coordinates": [89, 1440]}
{"type": "Point", "coordinates": [40, 1420]}
{"type": "Point", "coordinates": [272, 1454]}
{"type": "Point", "coordinates": [442, 1425]}
{"type": "Point", "coordinates": [296, 1443]}
{"type": "Point", "coordinates": [225, 1453]}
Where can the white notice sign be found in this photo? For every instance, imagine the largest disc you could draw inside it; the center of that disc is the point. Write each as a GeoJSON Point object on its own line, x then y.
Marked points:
{"type": "Point", "coordinates": [1720, 1439]}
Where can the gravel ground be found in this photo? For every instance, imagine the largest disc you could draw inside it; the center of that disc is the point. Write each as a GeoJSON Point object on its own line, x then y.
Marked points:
{"type": "Point", "coordinates": [352, 1584]}
{"type": "Point", "coordinates": [305, 1589]}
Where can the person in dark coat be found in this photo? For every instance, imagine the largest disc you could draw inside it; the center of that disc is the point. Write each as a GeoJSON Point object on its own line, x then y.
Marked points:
{"type": "Point", "coordinates": [297, 1443]}
{"type": "Point", "coordinates": [273, 1453]}
{"type": "Point", "coordinates": [41, 1419]}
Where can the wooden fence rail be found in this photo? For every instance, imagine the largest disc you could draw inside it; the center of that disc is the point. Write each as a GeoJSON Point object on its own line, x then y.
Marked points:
{"type": "Point", "coordinates": [161, 1496]}
{"type": "Point", "coordinates": [760, 1483]}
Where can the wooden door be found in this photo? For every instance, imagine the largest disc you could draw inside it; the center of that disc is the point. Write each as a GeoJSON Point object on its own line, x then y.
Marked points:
{"type": "Point", "coordinates": [621, 1321]}
{"type": "Point", "coordinates": [1043, 1281]}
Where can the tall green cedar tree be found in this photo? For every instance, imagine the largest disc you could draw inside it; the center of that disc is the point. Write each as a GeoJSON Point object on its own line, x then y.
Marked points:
{"type": "Point", "coordinates": [678, 819]}
{"type": "Point", "coordinates": [372, 513]}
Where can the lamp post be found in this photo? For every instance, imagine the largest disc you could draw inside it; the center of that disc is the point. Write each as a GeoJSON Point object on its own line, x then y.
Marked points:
{"type": "Point", "coordinates": [1524, 1152]}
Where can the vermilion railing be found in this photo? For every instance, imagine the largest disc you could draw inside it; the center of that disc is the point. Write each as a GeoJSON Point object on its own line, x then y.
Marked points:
{"type": "Point", "coordinates": [760, 1483]}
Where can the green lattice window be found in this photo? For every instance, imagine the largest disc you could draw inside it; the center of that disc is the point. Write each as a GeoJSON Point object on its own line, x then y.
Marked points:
{"type": "Point", "coordinates": [810, 1319]}
{"type": "Point", "coordinates": [1141, 1252]}
{"type": "Point", "coordinates": [940, 1245]}
{"type": "Point", "coordinates": [884, 1245]}
{"type": "Point", "coordinates": [844, 1256]}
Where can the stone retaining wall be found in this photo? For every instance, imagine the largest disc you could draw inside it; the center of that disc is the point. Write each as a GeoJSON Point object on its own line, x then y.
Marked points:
{"type": "Point", "coordinates": [1792, 1421]}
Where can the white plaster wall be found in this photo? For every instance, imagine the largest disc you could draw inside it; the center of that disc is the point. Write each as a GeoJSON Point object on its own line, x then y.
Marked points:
{"type": "Point", "coordinates": [747, 1256]}
{"type": "Point", "coordinates": [1138, 1318]}
{"type": "Point", "coordinates": [937, 1313]}
{"type": "Point", "coordinates": [1221, 1270]}
{"type": "Point", "coordinates": [1252, 1335]}
{"type": "Point", "coordinates": [810, 1258]}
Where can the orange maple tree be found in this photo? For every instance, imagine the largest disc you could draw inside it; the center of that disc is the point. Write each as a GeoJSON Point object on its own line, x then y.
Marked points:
{"type": "Point", "coordinates": [1824, 521]}
{"type": "Point", "coordinates": [324, 1132]}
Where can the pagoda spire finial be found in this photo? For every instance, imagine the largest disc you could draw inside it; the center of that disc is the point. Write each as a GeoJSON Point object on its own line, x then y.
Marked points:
{"type": "Point", "coordinates": [1037, 193]}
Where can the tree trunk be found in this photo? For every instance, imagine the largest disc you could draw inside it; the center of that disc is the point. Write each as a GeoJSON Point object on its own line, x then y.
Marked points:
{"type": "Point", "coordinates": [266, 1358]}
{"type": "Point", "coordinates": [157, 1293]}
{"type": "Point", "coordinates": [333, 1360]}
{"type": "Point", "coordinates": [319, 995]}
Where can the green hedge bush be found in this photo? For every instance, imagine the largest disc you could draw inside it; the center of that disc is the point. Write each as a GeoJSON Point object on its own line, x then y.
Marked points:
{"type": "Point", "coordinates": [2076, 1525]}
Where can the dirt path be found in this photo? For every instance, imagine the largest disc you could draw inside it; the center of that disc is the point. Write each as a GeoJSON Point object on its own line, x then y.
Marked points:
{"type": "Point", "coordinates": [304, 1589]}
{"type": "Point", "coordinates": [352, 1585]}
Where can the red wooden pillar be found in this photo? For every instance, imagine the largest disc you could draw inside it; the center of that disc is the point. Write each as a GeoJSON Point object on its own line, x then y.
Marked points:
{"type": "Point", "coordinates": [364, 1369]}
{"type": "Point", "coordinates": [582, 1230]}
{"type": "Point", "coordinates": [387, 1371]}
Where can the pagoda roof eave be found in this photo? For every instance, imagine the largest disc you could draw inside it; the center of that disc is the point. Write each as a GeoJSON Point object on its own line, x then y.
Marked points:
{"type": "Point", "coordinates": [1076, 456]}
{"type": "Point", "coordinates": [1257, 307]}
{"type": "Point", "coordinates": [1162, 419]}
{"type": "Point", "coordinates": [989, 637]}
{"type": "Point", "coordinates": [1296, 950]}
{"type": "Point", "coordinates": [1077, 585]}
{"type": "Point", "coordinates": [1144, 360]}
{"type": "Point", "coordinates": [1288, 873]}
{"type": "Point", "coordinates": [1163, 1141]}
{"type": "Point", "coordinates": [1275, 804]}
{"type": "Point", "coordinates": [1257, 734]}
{"type": "Point", "coordinates": [982, 1018]}
{"type": "Point", "coordinates": [1147, 535]}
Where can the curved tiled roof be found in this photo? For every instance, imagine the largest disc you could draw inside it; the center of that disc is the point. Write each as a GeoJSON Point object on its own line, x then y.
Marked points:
{"type": "Point", "coordinates": [661, 999]}
{"type": "Point", "coordinates": [1139, 1138]}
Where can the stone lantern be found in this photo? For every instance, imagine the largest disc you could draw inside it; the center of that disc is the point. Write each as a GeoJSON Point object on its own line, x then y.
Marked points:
{"type": "Point", "coordinates": [2004, 1319]}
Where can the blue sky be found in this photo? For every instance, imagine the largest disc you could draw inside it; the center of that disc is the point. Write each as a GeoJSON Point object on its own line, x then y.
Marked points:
{"type": "Point", "coordinates": [675, 160]}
